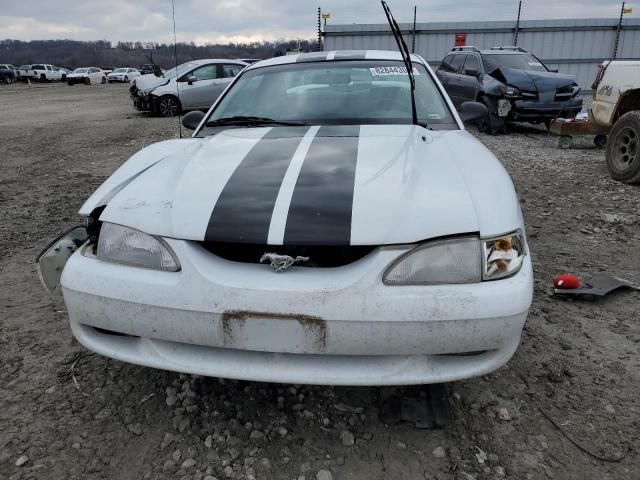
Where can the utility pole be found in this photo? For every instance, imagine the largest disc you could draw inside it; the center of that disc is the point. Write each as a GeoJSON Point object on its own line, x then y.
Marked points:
{"type": "Point", "coordinates": [413, 42]}
{"type": "Point", "coordinates": [515, 34]}
{"type": "Point", "coordinates": [623, 10]}
{"type": "Point", "coordinates": [319, 42]}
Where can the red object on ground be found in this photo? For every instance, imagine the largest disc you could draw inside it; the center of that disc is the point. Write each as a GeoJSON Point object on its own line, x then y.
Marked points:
{"type": "Point", "coordinates": [566, 281]}
{"type": "Point", "coordinates": [461, 39]}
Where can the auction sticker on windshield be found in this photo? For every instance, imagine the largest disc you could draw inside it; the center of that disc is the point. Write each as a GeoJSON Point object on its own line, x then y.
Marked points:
{"type": "Point", "coordinates": [381, 71]}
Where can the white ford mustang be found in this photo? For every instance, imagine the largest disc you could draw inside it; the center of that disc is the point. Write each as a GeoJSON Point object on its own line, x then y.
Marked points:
{"type": "Point", "coordinates": [310, 231]}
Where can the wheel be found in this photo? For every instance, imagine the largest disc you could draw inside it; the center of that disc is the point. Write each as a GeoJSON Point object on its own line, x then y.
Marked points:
{"type": "Point", "coordinates": [71, 83]}
{"type": "Point", "coordinates": [87, 81]}
{"type": "Point", "coordinates": [600, 140]}
{"type": "Point", "coordinates": [565, 142]}
{"type": "Point", "coordinates": [43, 78]}
{"type": "Point", "coordinates": [64, 78]}
{"type": "Point", "coordinates": [104, 80]}
{"type": "Point", "coordinates": [168, 106]}
{"type": "Point", "coordinates": [491, 124]}
{"type": "Point", "coordinates": [126, 79]}
{"type": "Point", "coordinates": [623, 148]}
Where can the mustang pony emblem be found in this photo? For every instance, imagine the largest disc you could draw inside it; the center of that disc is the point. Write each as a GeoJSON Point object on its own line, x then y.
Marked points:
{"type": "Point", "coordinates": [281, 262]}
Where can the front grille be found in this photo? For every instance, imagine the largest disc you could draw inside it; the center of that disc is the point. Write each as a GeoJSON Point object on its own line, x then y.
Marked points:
{"type": "Point", "coordinates": [564, 93]}
{"type": "Point", "coordinates": [319, 256]}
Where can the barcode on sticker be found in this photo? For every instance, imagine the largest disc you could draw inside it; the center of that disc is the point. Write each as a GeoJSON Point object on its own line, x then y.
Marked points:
{"type": "Point", "coordinates": [381, 71]}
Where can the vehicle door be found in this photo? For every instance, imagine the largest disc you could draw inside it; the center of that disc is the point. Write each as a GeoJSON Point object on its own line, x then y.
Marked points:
{"type": "Point", "coordinates": [198, 88]}
{"type": "Point", "coordinates": [95, 75]}
{"type": "Point", "coordinates": [444, 70]}
{"type": "Point", "coordinates": [470, 78]}
{"type": "Point", "coordinates": [454, 80]}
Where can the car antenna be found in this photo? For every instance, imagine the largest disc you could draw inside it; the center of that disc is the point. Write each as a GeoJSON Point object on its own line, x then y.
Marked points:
{"type": "Point", "coordinates": [406, 57]}
{"type": "Point", "coordinates": [175, 57]}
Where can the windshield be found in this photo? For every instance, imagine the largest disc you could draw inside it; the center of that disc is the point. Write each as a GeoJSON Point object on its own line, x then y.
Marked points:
{"type": "Point", "coordinates": [520, 61]}
{"type": "Point", "coordinates": [80, 70]}
{"type": "Point", "coordinates": [120, 70]}
{"type": "Point", "coordinates": [341, 92]}
{"type": "Point", "coordinates": [185, 67]}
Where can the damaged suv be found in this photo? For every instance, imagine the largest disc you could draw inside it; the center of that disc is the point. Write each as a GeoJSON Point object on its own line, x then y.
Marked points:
{"type": "Point", "coordinates": [514, 85]}
{"type": "Point", "coordinates": [320, 226]}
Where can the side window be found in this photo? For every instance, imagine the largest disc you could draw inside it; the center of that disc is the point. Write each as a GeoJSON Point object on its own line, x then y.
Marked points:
{"type": "Point", "coordinates": [229, 71]}
{"type": "Point", "coordinates": [206, 72]}
{"type": "Point", "coordinates": [446, 63]}
{"type": "Point", "coordinates": [472, 63]}
{"type": "Point", "coordinates": [457, 62]}
{"type": "Point", "coordinates": [93, 70]}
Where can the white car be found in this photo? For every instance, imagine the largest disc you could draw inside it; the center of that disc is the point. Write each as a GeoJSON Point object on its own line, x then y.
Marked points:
{"type": "Point", "coordinates": [310, 231]}
{"type": "Point", "coordinates": [123, 75]}
{"type": "Point", "coordinates": [45, 73]}
{"type": "Point", "coordinates": [193, 85]}
{"type": "Point", "coordinates": [86, 75]}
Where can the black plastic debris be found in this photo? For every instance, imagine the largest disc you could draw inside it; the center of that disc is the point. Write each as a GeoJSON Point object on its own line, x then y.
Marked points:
{"type": "Point", "coordinates": [598, 285]}
{"type": "Point", "coordinates": [427, 410]}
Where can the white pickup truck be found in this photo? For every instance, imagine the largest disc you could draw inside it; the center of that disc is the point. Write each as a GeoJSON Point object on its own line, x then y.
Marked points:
{"type": "Point", "coordinates": [616, 104]}
{"type": "Point", "coordinates": [46, 73]}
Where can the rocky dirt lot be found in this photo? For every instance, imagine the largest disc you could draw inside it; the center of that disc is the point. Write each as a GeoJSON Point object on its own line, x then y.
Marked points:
{"type": "Point", "coordinates": [565, 407]}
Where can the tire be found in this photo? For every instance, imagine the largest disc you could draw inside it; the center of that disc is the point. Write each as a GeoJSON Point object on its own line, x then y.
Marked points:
{"type": "Point", "coordinates": [71, 83]}
{"type": "Point", "coordinates": [104, 80]}
{"type": "Point", "coordinates": [64, 78]}
{"type": "Point", "coordinates": [492, 124]}
{"type": "Point", "coordinates": [43, 78]}
{"type": "Point", "coordinates": [565, 142]}
{"type": "Point", "coordinates": [168, 106]}
{"type": "Point", "coordinates": [623, 148]}
{"type": "Point", "coordinates": [600, 141]}
{"type": "Point", "coordinates": [126, 79]}
{"type": "Point", "coordinates": [87, 81]}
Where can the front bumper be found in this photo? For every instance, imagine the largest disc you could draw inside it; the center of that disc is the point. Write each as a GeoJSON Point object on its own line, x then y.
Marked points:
{"type": "Point", "coordinates": [142, 103]}
{"type": "Point", "coordinates": [526, 110]}
{"type": "Point", "coordinates": [308, 325]}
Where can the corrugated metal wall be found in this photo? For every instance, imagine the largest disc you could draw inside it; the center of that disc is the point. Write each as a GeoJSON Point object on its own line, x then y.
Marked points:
{"type": "Point", "coordinates": [575, 46]}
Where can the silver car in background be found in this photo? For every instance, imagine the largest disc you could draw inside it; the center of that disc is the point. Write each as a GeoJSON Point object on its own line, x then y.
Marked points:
{"type": "Point", "coordinates": [194, 85]}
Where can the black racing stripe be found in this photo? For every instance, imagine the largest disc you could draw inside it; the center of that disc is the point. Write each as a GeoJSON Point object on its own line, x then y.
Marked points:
{"type": "Point", "coordinates": [312, 57]}
{"type": "Point", "coordinates": [245, 206]}
{"type": "Point", "coordinates": [322, 201]}
{"type": "Point", "coordinates": [350, 55]}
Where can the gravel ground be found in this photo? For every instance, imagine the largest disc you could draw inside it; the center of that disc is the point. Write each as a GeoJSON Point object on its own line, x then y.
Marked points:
{"type": "Point", "coordinates": [566, 406]}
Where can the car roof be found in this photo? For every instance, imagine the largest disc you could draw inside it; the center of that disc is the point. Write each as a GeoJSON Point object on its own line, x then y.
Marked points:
{"type": "Point", "coordinates": [333, 55]}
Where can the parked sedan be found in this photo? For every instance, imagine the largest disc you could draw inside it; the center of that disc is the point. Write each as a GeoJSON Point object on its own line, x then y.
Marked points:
{"type": "Point", "coordinates": [86, 75]}
{"type": "Point", "coordinates": [123, 75]}
{"type": "Point", "coordinates": [191, 86]}
{"type": "Point", "coordinates": [313, 230]}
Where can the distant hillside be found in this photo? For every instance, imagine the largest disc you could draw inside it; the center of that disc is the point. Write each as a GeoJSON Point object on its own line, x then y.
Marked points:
{"type": "Point", "coordinates": [101, 53]}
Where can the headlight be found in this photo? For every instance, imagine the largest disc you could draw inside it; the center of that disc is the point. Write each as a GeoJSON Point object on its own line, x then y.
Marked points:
{"type": "Point", "coordinates": [511, 92]}
{"type": "Point", "coordinates": [458, 260]}
{"type": "Point", "coordinates": [127, 246]}
{"type": "Point", "coordinates": [502, 256]}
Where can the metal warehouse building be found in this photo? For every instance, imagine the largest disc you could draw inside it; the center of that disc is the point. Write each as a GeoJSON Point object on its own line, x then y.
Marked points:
{"type": "Point", "coordinates": [575, 46]}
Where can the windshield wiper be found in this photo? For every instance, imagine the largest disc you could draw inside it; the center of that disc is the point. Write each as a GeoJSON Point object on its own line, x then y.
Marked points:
{"type": "Point", "coordinates": [250, 122]}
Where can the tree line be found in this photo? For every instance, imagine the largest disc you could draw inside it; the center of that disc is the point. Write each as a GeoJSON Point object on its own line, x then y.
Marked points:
{"type": "Point", "coordinates": [102, 53]}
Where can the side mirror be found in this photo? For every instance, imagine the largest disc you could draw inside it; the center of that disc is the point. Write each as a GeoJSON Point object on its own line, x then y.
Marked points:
{"type": "Point", "coordinates": [192, 119]}
{"type": "Point", "coordinates": [472, 72]}
{"type": "Point", "coordinates": [472, 112]}
{"type": "Point", "coordinates": [191, 79]}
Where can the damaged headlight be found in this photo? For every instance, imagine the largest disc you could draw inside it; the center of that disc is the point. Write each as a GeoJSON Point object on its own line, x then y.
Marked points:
{"type": "Point", "coordinates": [118, 244]}
{"type": "Point", "coordinates": [511, 92]}
{"type": "Point", "coordinates": [458, 260]}
{"type": "Point", "coordinates": [502, 256]}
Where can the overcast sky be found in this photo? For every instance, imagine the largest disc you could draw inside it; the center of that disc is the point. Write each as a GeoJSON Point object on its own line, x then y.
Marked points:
{"type": "Point", "coordinates": [203, 21]}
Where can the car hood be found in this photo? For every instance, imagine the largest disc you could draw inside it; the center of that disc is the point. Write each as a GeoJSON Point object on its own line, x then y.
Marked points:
{"type": "Point", "coordinates": [149, 81]}
{"type": "Point", "coordinates": [330, 185]}
{"type": "Point", "coordinates": [533, 81]}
